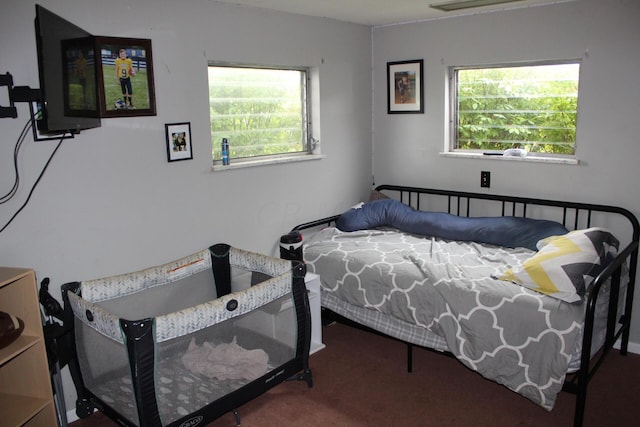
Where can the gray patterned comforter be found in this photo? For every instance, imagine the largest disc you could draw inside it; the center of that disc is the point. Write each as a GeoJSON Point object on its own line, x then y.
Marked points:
{"type": "Point", "coordinates": [507, 333]}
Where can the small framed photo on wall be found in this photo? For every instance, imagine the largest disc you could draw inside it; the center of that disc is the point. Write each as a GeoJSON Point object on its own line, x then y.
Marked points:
{"type": "Point", "coordinates": [178, 141]}
{"type": "Point", "coordinates": [405, 93]}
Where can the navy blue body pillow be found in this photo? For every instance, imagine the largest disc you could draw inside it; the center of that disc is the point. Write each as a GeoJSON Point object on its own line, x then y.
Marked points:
{"type": "Point", "coordinates": [508, 231]}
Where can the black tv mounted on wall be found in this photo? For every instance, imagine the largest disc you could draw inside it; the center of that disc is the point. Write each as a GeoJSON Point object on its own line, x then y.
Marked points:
{"type": "Point", "coordinates": [84, 78]}
{"type": "Point", "coordinates": [59, 83]}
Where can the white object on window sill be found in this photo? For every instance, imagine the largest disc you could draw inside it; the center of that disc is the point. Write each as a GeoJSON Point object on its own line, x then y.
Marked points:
{"type": "Point", "coordinates": [515, 152]}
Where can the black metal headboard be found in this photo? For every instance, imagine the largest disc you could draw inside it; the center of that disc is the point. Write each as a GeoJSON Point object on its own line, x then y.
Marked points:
{"type": "Point", "coordinates": [572, 215]}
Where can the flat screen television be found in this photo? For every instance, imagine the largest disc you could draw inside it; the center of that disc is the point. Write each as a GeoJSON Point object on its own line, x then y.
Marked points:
{"type": "Point", "coordinates": [68, 75]}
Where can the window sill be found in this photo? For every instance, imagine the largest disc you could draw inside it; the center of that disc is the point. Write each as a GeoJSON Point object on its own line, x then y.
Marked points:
{"type": "Point", "coordinates": [533, 159]}
{"type": "Point", "coordinates": [241, 164]}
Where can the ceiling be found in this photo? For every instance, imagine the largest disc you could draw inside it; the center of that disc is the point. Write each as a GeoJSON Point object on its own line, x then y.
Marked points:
{"type": "Point", "coordinates": [377, 12]}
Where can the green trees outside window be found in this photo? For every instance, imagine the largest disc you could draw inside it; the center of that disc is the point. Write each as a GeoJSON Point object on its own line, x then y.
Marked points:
{"type": "Point", "coordinates": [533, 107]}
{"type": "Point", "coordinates": [261, 111]}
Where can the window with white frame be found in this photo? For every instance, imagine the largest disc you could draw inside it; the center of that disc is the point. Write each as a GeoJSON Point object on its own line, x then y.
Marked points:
{"type": "Point", "coordinates": [262, 112]}
{"type": "Point", "coordinates": [528, 106]}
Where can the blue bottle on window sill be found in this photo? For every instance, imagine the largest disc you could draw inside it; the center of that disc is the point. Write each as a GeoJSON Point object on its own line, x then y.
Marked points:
{"type": "Point", "coordinates": [225, 151]}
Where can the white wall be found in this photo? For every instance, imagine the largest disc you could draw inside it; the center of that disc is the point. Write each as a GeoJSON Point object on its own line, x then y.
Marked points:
{"type": "Point", "coordinates": [604, 34]}
{"type": "Point", "coordinates": [111, 203]}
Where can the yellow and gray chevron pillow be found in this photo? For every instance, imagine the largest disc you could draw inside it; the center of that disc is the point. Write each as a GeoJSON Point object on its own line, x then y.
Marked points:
{"type": "Point", "coordinates": [565, 266]}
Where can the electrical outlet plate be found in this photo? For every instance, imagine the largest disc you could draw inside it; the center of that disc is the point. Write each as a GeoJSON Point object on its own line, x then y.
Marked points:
{"type": "Point", "coordinates": [485, 179]}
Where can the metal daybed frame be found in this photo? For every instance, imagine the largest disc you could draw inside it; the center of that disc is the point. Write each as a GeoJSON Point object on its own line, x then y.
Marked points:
{"type": "Point", "coordinates": [573, 216]}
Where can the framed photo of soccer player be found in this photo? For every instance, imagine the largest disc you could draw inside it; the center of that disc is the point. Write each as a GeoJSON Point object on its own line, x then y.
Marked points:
{"type": "Point", "coordinates": [405, 93]}
{"type": "Point", "coordinates": [125, 77]}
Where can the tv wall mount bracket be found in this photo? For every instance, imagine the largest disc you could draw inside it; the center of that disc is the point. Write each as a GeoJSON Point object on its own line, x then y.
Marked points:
{"type": "Point", "coordinates": [16, 94]}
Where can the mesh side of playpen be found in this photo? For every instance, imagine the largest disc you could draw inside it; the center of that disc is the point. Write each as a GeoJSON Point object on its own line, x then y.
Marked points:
{"type": "Point", "coordinates": [204, 347]}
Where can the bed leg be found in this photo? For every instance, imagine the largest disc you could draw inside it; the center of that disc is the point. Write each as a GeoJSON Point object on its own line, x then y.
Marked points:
{"type": "Point", "coordinates": [581, 394]}
{"type": "Point", "coordinates": [236, 415]}
{"type": "Point", "coordinates": [409, 357]}
{"type": "Point", "coordinates": [578, 416]}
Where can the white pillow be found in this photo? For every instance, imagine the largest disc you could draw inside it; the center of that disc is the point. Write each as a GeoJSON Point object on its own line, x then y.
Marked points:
{"type": "Point", "coordinates": [565, 266]}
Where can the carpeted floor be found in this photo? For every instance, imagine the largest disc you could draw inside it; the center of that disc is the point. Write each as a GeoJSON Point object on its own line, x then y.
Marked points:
{"type": "Point", "coordinates": [360, 379]}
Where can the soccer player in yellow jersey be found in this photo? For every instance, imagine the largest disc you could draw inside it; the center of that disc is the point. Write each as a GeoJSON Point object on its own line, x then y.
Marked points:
{"type": "Point", "coordinates": [124, 72]}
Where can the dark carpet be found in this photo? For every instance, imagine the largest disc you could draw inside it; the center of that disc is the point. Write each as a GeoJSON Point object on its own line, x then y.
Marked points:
{"type": "Point", "coordinates": [360, 379]}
